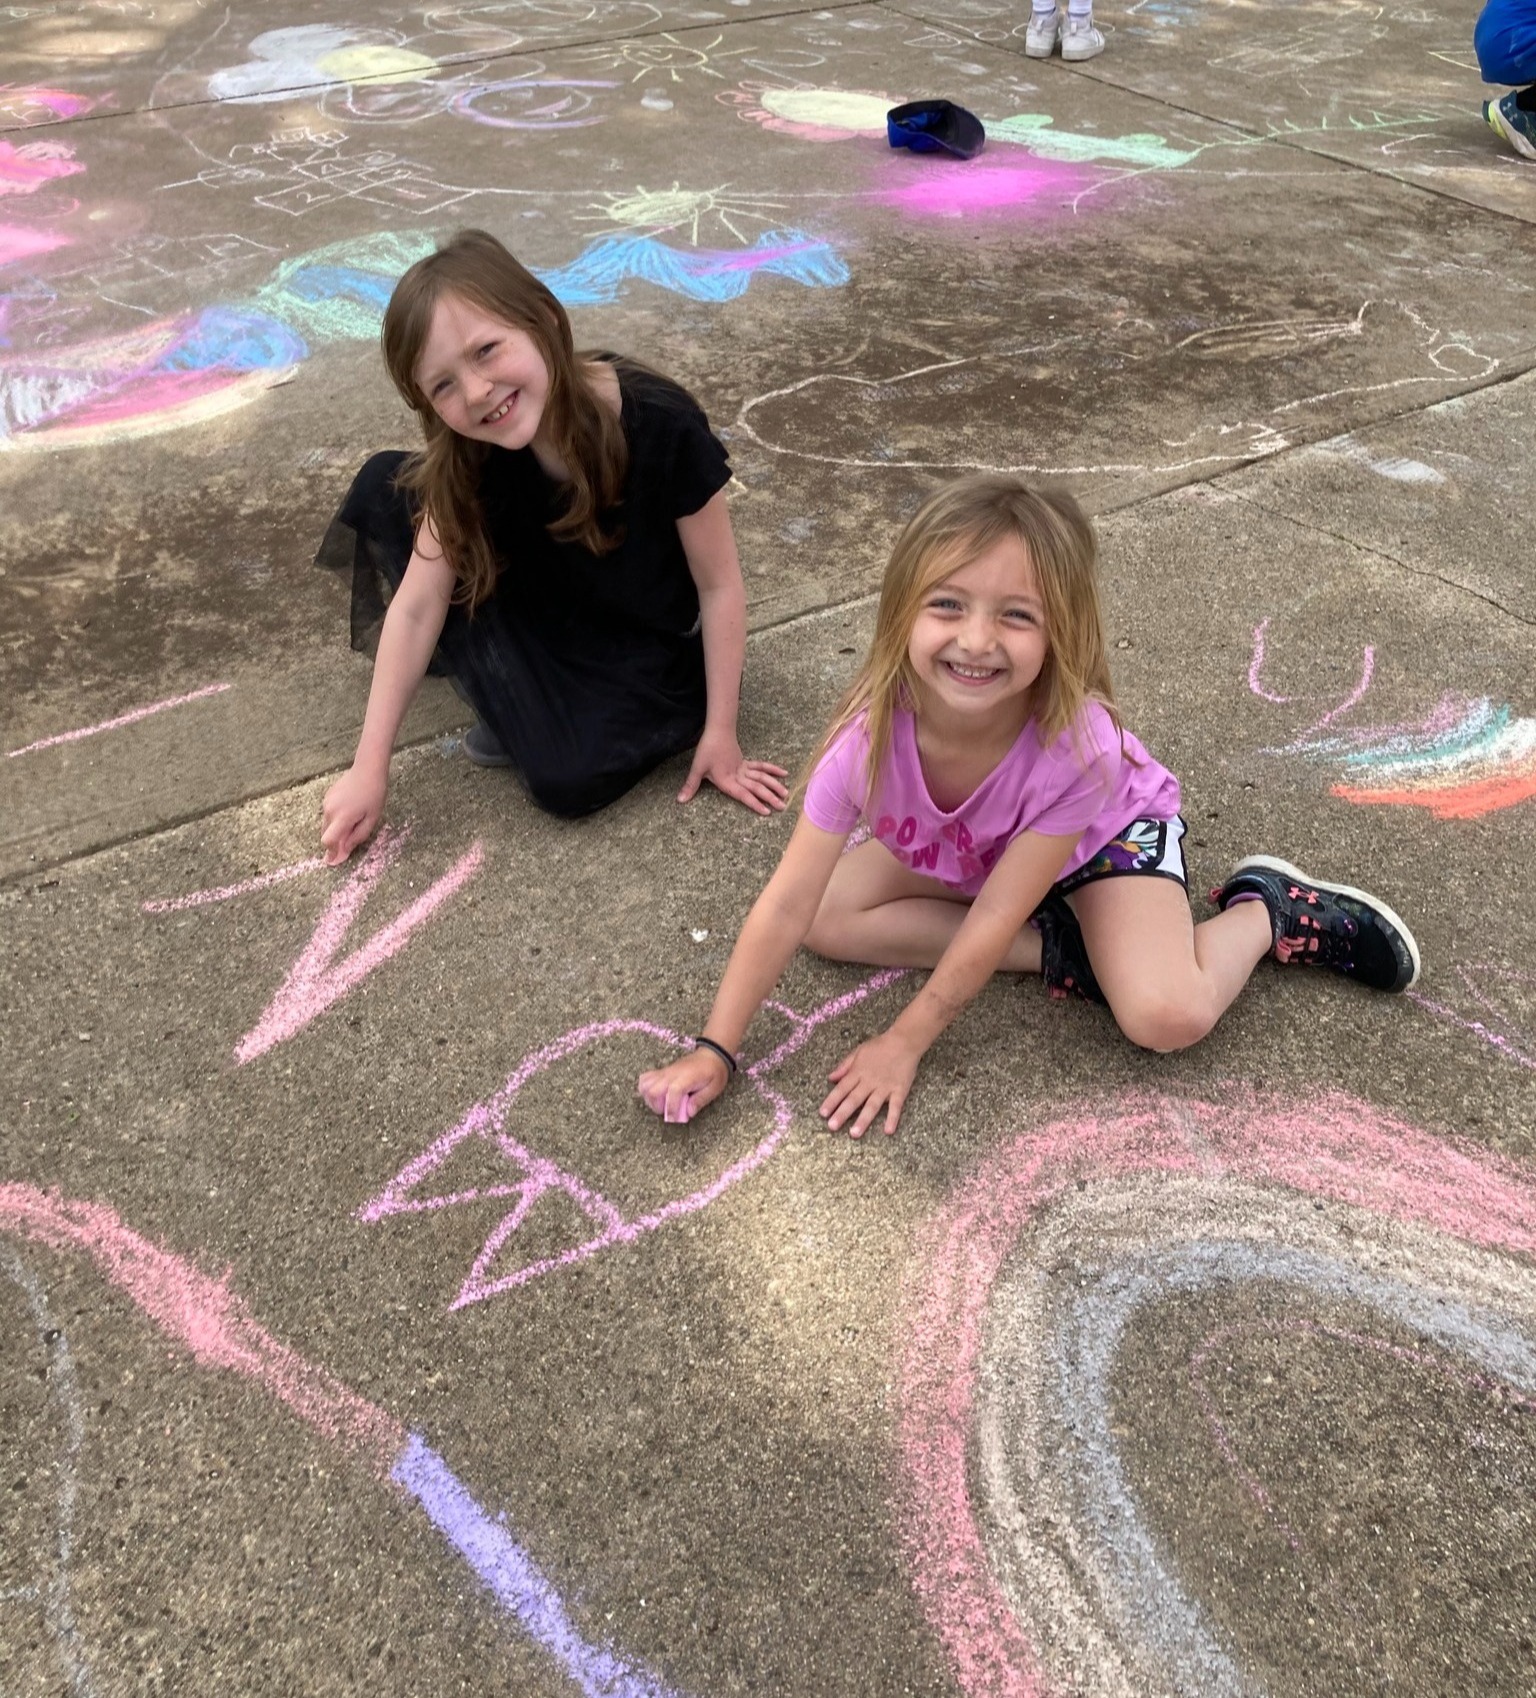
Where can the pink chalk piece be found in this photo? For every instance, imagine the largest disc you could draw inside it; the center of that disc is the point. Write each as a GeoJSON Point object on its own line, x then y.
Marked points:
{"type": "Point", "coordinates": [534, 1176]}
{"type": "Point", "coordinates": [130, 718]}
{"type": "Point", "coordinates": [227, 892]}
{"type": "Point", "coordinates": [317, 979]}
{"type": "Point", "coordinates": [206, 1316]}
{"type": "Point", "coordinates": [1333, 1147]}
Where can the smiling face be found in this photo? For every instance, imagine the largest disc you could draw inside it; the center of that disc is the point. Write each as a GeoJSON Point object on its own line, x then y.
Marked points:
{"type": "Point", "coordinates": [484, 378]}
{"type": "Point", "coordinates": [979, 641]}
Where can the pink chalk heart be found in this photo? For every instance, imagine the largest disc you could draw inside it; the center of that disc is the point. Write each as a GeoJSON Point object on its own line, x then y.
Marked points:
{"type": "Point", "coordinates": [534, 1176]}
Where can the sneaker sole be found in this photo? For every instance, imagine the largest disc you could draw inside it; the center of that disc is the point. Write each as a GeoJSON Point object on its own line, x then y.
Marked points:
{"type": "Point", "coordinates": [1272, 863]}
{"type": "Point", "coordinates": [1078, 57]}
{"type": "Point", "coordinates": [1039, 52]}
{"type": "Point", "coordinates": [1494, 119]}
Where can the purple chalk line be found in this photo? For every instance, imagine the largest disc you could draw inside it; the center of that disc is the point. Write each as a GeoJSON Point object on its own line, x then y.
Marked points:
{"type": "Point", "coordinates": [122, 719]}
{"type": "Point", "coordinates": [514, 1579]}
{"type": "Point", "coordinates": [224, 892]}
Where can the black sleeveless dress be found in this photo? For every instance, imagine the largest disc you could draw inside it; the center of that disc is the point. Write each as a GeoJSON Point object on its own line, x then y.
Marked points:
{"type": "Point", "coordinates": [589, 669]}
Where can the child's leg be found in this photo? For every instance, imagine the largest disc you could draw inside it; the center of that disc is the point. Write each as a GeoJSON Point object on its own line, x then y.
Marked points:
{"type": "Point", "coordinates": [1167, 981]}
{"type": "Point", "coordinates": [882, 914]}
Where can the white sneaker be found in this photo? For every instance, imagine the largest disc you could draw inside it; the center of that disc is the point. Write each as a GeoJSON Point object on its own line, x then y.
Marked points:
{"type": "Point", "coordinates": [1079, 40]}
{"type": "Point", "coordinates": [1042, 35]}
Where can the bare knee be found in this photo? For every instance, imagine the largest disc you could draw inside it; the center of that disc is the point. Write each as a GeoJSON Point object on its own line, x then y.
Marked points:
{"type": "Point", "coordinates": [829, 933]}
{"type": "Point", "coordinates": [1166, 1019]}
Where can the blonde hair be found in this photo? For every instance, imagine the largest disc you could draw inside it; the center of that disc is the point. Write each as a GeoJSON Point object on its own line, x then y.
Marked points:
{"type": "Point", "coordinates": [956, 526]}
{"type": "Point", "coordinates": [445, 473]}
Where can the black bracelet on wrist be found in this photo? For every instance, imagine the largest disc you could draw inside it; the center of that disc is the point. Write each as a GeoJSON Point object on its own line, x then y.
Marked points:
{"type": "Point", "coordinates": [719, 1049]}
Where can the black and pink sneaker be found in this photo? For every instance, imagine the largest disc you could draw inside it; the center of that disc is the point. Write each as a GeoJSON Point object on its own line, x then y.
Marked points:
{"type": "Point", "coordinates": [1327, 925]}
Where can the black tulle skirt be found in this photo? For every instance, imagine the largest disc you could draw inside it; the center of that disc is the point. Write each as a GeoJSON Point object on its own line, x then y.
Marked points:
{"type": "Point", "coordinates": [584, 709]}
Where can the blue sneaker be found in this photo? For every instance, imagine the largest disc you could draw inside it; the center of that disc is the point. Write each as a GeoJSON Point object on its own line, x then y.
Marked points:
{"type": "Point", "coordinates": [1518, 128]}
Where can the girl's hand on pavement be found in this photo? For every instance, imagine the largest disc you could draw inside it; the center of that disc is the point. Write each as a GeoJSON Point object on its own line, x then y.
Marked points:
{"type": "Point", "coordinates": [678, 1091]}
{"type": "Point", "coordinates": [352, 808]}
{"type": "Point", "coordinates": [878, 1074]}
{"type": "Point", "coordinates": [758, 785]}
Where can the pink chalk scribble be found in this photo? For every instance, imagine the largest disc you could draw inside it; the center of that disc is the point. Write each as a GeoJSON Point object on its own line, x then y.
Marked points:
{"type": "Point", "coordinates": [945, 190]}
{"type": "Point", "coordinates": [25, 241]}
{"type": "Point", "coordinates": [535, 1176]}
{"type": "Point", "coordinates": [1496, 1025]}
{"type": "Point", "coordinates": [25, 169]}
{"type": "Point", "coordinates": [130, 718]}
{"type": "Point", "coordinates": [227, 892]}
{"type": "Point", "coordinates": [31, 104]}
{"type": "Point", "coordinates": [317, 979]}
{"type": "Point", "coordinates": [1332, 1148]}
{"type": "Point", "coordinates": [1352, 700]}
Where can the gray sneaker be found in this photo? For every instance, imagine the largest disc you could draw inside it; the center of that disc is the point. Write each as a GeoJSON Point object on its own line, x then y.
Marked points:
{"type": "Point", "coordinates": [1080, 40]}
{"type": "Point", "coordinates": [1042, 35]}
{"type": "Point", "coordinates": [481, 747]}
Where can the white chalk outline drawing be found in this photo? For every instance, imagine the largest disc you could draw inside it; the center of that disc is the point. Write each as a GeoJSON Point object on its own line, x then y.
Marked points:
{"type": "Point", "coordinates": [52, 1593]}
{"type": "Point", "coordinates": [1259, 438]}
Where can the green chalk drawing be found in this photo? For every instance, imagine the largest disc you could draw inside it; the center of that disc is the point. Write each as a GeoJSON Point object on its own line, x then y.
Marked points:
{"type": "Point", "coordinates": [1033, 130]}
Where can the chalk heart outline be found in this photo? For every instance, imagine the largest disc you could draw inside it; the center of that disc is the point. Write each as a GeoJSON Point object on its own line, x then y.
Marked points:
{"type": "Point", "coordinates": [487, 1119]}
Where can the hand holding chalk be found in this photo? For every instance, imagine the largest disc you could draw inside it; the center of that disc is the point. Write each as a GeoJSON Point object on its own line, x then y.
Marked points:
{"type": "Point", "coordinates": [352, 808]}
{"type": "Point", "coordinates": [677, 1092]}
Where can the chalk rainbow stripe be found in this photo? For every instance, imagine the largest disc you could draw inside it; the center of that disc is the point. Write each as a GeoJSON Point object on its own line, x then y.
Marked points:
{"type": "Point", "coordinates": [1467, 757]}
{"type": "Point", "coordinates": [1253, 1189]}
{"type": "Point", "coordinates": [205, 1316]}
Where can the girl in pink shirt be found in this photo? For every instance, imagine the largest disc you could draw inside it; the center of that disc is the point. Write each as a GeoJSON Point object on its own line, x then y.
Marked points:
{"type": "Point", "coordinates": [1015, 825]}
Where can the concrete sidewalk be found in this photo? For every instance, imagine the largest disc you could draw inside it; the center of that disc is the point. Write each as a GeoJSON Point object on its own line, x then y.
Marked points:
{"type": "Point", "coordinates": [357, 1326]}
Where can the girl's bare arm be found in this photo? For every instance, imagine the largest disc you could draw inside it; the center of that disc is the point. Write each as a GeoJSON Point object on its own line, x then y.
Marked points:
{"type": "Point", "coordinates": [354, 803]}
{"type": "Point", "coordinates": [774, 930]}
{"type": "Point", "coordinates": [710, 546]}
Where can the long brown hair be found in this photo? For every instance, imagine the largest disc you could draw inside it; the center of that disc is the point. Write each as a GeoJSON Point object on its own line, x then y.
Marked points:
{"type": "Point", "coordinates": [957, 525]}
{"type": "Point", "coordinates": [444, 475]}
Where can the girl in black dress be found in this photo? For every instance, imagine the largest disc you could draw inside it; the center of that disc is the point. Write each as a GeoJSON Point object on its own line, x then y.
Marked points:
{"type": "Point", "coordinates": [560, 548]}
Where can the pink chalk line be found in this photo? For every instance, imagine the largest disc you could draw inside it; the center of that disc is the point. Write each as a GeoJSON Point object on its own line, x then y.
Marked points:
{"type": "Point", "coordinates": [1334, 1148]}
{"type": "Point", "coordinates": [219, 1330]}
{"type": "Point", "coordinates": [1506, 1047]}
{"type": "Point", "coordinates": [536, 1176]}
{"type": "Point", "coordinates": [122, 719]}
{"type": "Point", "coordinates": [224, 892]}
{"type": "Point", "coordinates": [1353, 699]}
{"type": "Point", "coordinates": [205, 1315]}
{"type": "Point", "coordinates": [316, 979]}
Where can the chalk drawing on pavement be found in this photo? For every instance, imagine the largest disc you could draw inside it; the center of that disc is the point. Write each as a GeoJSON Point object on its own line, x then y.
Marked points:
{"type": "Point", "coordinates": [51, 1590]}
{"type": "Point", "coordinates": [317, 979]}
{"type": "Point", "coordinates": [132, 717]}
{"type": "Point", "coordinates": [532, 1177]}
{"type": "Point", "coordinates": [1491, 1002]}
{"type": "Point", "coordinates": [1023, 1527]}
{"type": "Point", "coordinates": [1466, 757]}
{"type": "Point", "coordinates": [207, 1318]}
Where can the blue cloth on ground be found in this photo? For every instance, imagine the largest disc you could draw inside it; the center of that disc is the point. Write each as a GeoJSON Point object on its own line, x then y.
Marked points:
{"type": "Point", "coordinates": [1505, 39]}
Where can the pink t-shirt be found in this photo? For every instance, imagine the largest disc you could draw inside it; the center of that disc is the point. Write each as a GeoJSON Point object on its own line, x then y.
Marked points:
{"type": "Point", "coordinates": [1089, 785]}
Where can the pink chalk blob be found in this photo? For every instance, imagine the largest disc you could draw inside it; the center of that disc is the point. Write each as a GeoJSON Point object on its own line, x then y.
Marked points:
{"type": "Point", "coordinates": [1334, 1148]}
{"type": "Point", "coordinates": [22, 241]}
{"type": "Point", "coordinates": [30, 104]}
{"type": "Point", "coordinates": [951, 189]}
{"type": "Point", "coordinates": [25, 169]}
